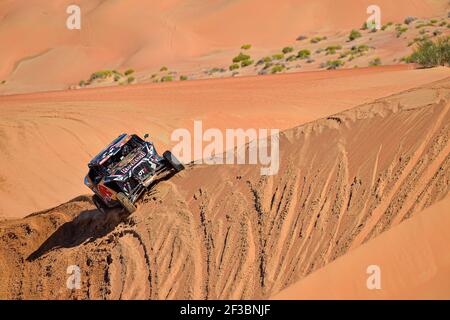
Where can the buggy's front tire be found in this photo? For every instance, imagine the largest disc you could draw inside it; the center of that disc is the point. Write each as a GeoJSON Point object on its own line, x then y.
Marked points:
{"type": "Point", "coordinates": [174, 162]}
{"type": "Point", "coordinates": [98, 202]}
{"type": "Point", "coordinates": [126, 203]}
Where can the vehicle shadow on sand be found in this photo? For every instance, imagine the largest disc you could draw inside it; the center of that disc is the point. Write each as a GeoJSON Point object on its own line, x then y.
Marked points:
{"type": "Point", "coordinates": [88, 226]}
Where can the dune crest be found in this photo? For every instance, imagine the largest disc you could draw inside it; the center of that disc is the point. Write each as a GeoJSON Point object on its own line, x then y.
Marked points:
{"type": "Point", "coordinates": [343, 180]}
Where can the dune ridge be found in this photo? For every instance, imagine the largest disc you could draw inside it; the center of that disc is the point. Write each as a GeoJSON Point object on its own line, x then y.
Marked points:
{"type": "Point", "coordinates": [344, 179]}
{"type": "Point", "coordinates": [59, 132]}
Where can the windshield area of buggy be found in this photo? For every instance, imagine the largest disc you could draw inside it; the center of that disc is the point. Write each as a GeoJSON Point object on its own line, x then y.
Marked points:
{"type": "Point", "coordinates": [126, 153]}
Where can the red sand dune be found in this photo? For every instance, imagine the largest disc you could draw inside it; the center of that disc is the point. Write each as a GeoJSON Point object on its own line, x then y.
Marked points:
{"type": "Point", "coordinates": [48, 138]}
{"type": "Point", "coordinates": [225, 231]}
{"type": "Point", "coordinates": [413, 258]}
{"type": "Point", "coordinates": [39, 53]}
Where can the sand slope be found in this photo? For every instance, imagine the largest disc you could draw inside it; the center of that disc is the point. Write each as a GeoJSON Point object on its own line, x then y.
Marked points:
{"type": "Point", "coordinates": [48, 138]}
{"type": "Point", "coordinates": [343, 180]}
{"type": "Point", "coordinates": [39, 53]}
{"type": "Point", "coordinates": [413, 257]}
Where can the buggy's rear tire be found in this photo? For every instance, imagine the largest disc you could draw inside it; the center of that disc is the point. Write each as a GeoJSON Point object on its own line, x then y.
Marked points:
{"type": "Point", "coordinates": [98, 202]}
{"type": "Point", "coordinates": [126, 203]}
{"type": "Point", "coordinates": [174, 162]}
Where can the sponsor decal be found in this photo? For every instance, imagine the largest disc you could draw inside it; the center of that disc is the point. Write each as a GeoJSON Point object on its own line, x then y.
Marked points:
{"type": "Point", "coordinates": [133, 162]}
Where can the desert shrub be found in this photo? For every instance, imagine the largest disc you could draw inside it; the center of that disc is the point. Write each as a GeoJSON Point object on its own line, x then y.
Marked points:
{"type": "Point", "coordinates": [303, 54]}
{"type": "Point", "coordinates": [433, 21]}
{"type": "Point", "coordinates": [301, 37]}
{"type": "Point", "coordinates": [163, 68]}
{"type": "Point", "coordinates": [82, 83]}
{"type": "Point", "coordinates": [183, 78]}
{"type": "Point", "coordinates": [375, 62]}
{"type": "Point", "coordinates": [277, 56]}
{"type": "Point", "coordinates": [317, 39]}
{"type": "Point", "coordinates": [267, 65]}
{"type": "Point", "coordinates": [409, 19]}
{"type": "Point", "coordinates": [430, 53]}
{"type": "Point", "coordinates": [130, 79]}
{"type": "Point", "coordinates": [364, 26]}
{"type": "Point", "coordinates": [215, 70]}
{"type": "Point", "coordinates": [287, 50]}
{"type": "Point", "coordinates": [277, 68]}
{"type": "Point", "coordinates": [437, 32]}
{"type": "Point", "coordinates": [442, 24]}
{"type": "Point", "coordinates": [264, 60]}
{"type": "Point", "coordinates": [241, 57]}
{"type": "Point", "coordinates": [423, 25]}
{"type": "Point", "coordinates": [166, 79]}
{"type": "Point", "coordinates": [246, 63]}
{"type": "Point", "coordinates": [128, 72]}
{"type": "Point", "coordinates": [371, 25]}
{"type": "Point", "coordinates": [387, 25]}
{"type": "Point", "coordinates": [234, 66]}
{"type": "Point", "coordinates": [334, 64]}
{"type": "Point", "coordinates": [116, 77]}
{"type": "Point", "coordinates": [292, 57]}
{"type": "Point", "coordinates": [102, 74]}
{"type": "Point", "coordinates": [332, 49]}
{"type": "Point", "coordinates": [354, 34]}
{"type": "Point", "coordinates": [362, 48]}
{"type": "Point", "coordinates": [246, 46]}
{"type": "Point", "coordinates": [400, 30]}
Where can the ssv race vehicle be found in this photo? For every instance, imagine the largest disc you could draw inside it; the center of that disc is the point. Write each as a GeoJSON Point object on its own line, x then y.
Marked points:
{"type": "Point", "coordinates": [122, 171]}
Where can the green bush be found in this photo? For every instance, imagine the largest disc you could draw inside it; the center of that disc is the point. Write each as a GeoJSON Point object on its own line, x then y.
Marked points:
{"type": "Point", "coordinates": [277, 68]}
{"type": "Point", "coordinates": [164, 68]}
{"type": "Point", "coordinates": [278, 56]}
{"type": "Point", "coordinates": [183, 78]}
{"type": "Point", "coordinates": [241, 57]}
{"type": "Point", "coordinates": [246, 46]}
{"type": "Point", "coordinates": [354, 34]}
{"type": "Point", "coordinates": [287, 50]}
{"type": "Point", "coordinates": [246, 63]}
{"type": "Point", "coordinates": [166, 79]}
{"type": "Point", "coordinates": [234, 66]}
{"type": "Point", "coordinates": [128, 72]}
{"type": "Point", "coordinates": [375, 62]}
{"type": "Point", "coordinates": [334, 64]}
{"type": "Point", "coordinates": [387, 25]}
{"type": "Point", "coordinates": [432, 53]}
{"type": "Point", "coordinates": [400, 30]}
{"type": "Point", "coordinates": [292, 57]}
{"type": "Point", "coordinates": [317, 39]}
{"type": "Point", "coordinates": [303, 54]}
{"type": "Point", "coordinates": [333, 49]}
{"type": "Point", "coordinates": [82, 83]}
{"type": "Point", "coordinates": [102, 74]}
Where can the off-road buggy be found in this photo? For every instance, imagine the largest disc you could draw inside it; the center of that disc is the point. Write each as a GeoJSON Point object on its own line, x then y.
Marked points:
{"type": "Point", "coordinates": [122, 171]}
